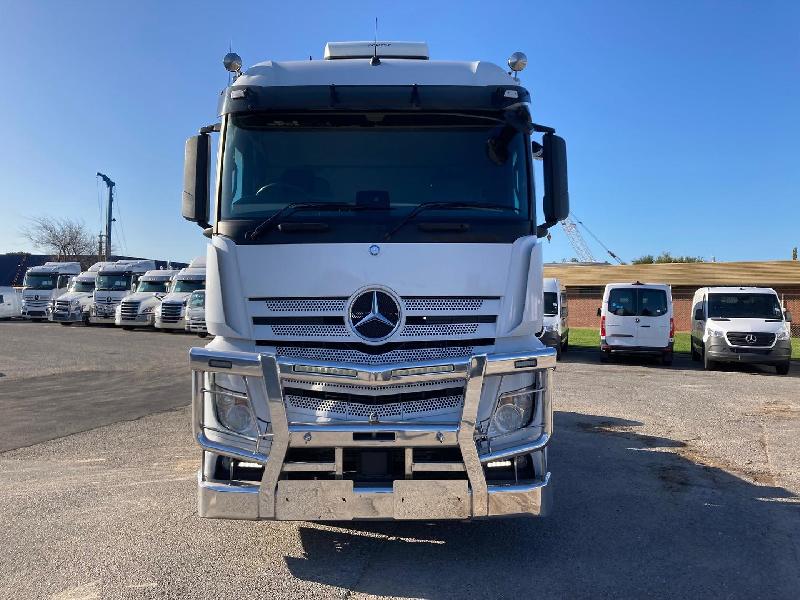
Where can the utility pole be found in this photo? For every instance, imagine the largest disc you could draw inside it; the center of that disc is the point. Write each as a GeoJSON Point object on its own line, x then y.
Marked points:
{"type": "Point", "coordinates": [100, 246]}
{"type": "Point", "coordinates": [109, 216]}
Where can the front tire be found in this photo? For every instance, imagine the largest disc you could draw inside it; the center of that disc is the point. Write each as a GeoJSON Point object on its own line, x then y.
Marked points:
{"type": "Point", "coordinates": [66, 324]}
{"type": "Point", "coordinates": [666, 359]}
{"type": "Point", "coordinates": [708, 364]}
{"type": "Point", "coordinates": [202, 335]}
{"type": "Point", "coordinates": [695, 353]}
{"type": "Point", "coordinates": [783, 368]}
{"type": "Point", "coordinates": [127, 328]}
{"type": "Point", "coordinates": [605, 355]}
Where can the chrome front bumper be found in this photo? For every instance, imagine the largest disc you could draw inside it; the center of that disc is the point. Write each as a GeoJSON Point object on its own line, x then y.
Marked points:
{"type": "Point", "coordinates": [339, 499]}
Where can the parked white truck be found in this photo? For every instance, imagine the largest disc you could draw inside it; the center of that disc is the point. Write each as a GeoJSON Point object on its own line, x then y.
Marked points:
{"type": "Point", "coordinates": [73, 306]}
{"type": "Point", "coordinates": [114, 282]}
{"type": "Point", "coordinates": [375, 289]}
{"type": "Point", "coordinates": [138, 309]}
{"type": "Point", "coordinates": [43, 284]}
{"type": "Point", "coordinates": [171, 312]}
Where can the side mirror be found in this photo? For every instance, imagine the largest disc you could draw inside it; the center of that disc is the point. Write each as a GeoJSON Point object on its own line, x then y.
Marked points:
{"type": "Point", "coordinates": [196, 171]}
{"type": "Point", "coordinates": [787, 315]}
{"type": "Point", "coordinates": [556, 189]}
{"type": "Point", "coordinates": [599, 312]}
{"type": "Point", "coordinates": [698, 315]}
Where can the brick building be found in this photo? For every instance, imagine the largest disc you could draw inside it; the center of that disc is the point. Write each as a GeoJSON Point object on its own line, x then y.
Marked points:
{"type": "Point", "coordinates": [585, 283]}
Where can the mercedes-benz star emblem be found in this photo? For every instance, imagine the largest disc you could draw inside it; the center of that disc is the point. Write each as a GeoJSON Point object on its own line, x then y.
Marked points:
{"type": "Point", "coordinates": [750, 338]}
{"type": "Point", "coordinates": [374, 315]}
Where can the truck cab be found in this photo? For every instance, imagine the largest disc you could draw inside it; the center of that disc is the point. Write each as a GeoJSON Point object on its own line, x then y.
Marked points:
{"type": "Point", "coordinates": [196, 314]}
{"type": "Point", "coordinates": [115, 281]}
{"type": "Point", "coordinates": [42, 285]}
{"type": "Point", "coordinates": [138, 309]}
{"type": "Point", "coordinates": [170, 314]}
{"type": "Point", "coordinates": [555, 330]}
{"type": "Point", "coordinates": [73, 306]}
{"type": "Point", "coordinates": [374, 286]}
{"type": "Point", "coordinates": [741, 325]}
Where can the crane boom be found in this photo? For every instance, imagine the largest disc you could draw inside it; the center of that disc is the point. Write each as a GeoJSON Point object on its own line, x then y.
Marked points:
{"type": "Point", "coordinates": [576, 240]}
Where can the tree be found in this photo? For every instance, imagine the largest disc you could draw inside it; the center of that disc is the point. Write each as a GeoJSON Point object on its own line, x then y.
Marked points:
{"type": "Point", "coordinates": [66, 239]}
{"type": "Point", "coordinates": [666, 257]}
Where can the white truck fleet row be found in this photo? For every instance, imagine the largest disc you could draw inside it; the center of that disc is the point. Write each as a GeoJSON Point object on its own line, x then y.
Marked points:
{"type": "Point", "coordinates": [43, 284]}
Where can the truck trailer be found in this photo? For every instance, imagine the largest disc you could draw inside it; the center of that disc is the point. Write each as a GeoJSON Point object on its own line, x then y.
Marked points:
{"type": "Point", "coordinates": [374, 286]}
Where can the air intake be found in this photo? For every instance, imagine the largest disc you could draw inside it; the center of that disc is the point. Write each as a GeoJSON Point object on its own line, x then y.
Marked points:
{"type": "Point", "coordinates": [342, 50]}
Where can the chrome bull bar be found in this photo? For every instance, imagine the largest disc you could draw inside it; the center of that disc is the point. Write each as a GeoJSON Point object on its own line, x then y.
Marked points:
{"type": "Point", "coordinates": [453, 499]}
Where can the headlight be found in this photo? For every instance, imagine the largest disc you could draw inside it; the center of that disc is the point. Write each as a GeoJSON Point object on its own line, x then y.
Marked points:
{"type": "Point", "coordinates": [233, 411]}
{"type": "Point", "coordinates": [514, 411]}
{"type": "Point", "coordinates": [716, 333]}
{"type": "Point", "coordinates": [550, 327]}
{"type": "Point", "coordinates": [782, 335]}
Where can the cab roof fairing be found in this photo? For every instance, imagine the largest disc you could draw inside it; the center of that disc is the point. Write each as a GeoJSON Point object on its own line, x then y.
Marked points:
{"type": "Point", "coordinates": [354, 84]}
{"type": "Point", "coordinates": [158, 275]}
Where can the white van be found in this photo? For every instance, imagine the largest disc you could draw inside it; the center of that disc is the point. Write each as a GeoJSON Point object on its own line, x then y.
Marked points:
{"type": "Point", "coordinates": [636, 318]}
{"type": "Point", "coordinates": [741, 324]}
{"type": "Point", "coordinates": [555, 331]}
{"type": "Point", "coordinates": [196, 313]}
{"type": "Point", "coordinates": [10, 302]}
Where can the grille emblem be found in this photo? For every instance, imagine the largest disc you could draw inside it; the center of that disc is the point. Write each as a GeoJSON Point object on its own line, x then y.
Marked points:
{"type": "Point", "coordinates": [374, 250]}
{"type": "Point", "coordinates": [36, 297]}
{"type": "Point", "coordinates": [374, 315]}
{"type": "Point", "coordinates": [108, 298]}
{"type": "Point", "coordinates": [750, 338]}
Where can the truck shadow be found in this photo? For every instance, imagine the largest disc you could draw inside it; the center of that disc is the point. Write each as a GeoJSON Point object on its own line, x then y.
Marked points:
{"type": "Point", "coordinates": [634, 516]}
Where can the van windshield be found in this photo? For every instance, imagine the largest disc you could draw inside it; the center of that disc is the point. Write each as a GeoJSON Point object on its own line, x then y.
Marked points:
{"type": "Point", "coordinates": [550, 304]}
{"type": "Point", "coordinates": [637, 302]}
{"type": "Point", "coordinates": [198, 300]}
{"type": "Point", "coordinates": [744, 306]}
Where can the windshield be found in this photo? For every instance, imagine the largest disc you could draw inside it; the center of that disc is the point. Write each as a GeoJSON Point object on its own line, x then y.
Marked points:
{"type": "Point", "coordinates": [113, 283]}
{"type": "Point", "coordinates": [197, 300]}
{"type": "Point", "coordinates": [550, 304]}
{"type": "Point", "coordinates": [189, 285]}
{"type": "Point", "coordinates": [82, 286]}
{"type": "Point", "coordinates": [40, 281]}
{"type": "Point", "coordinates": [388, 162]}
{"type": "Point", "coordinates": [744, 306]}
{"type": "Point", "coordinates": [152, 286]}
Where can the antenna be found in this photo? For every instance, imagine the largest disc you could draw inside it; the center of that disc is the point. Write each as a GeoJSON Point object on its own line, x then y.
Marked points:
{"type": "Point", "coordinates": [374, 61]}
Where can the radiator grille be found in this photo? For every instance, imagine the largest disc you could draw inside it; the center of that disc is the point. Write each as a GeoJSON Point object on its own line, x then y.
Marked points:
{"type": "Point", "coordinates": [439, 330]}
{"type": "Point", "coordinates": [451, 304]}
{"type": "Point", "coordinates": [736, 338]}
{"type": "Point", "coordinates": [393, 356]}
{"type": "Point", "coordinates": [171, 312]}
{"type": "Point", "coordinates": [129, 310]}
{"type": "Point", "coordinates": [305, 304]}
{"type": "Point", "coordinates": [394, 410]}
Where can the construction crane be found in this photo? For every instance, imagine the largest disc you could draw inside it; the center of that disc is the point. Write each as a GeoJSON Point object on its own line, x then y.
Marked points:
{"type": "Point", "coordinates": [579, 244]}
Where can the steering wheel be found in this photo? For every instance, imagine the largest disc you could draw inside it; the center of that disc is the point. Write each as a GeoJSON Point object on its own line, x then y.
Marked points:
{"type": "Point", "coordinates": [281, 184]}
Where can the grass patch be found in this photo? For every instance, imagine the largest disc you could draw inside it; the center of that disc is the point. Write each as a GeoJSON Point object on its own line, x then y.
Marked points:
{"type": "Point", "coordinates": [589, 337]}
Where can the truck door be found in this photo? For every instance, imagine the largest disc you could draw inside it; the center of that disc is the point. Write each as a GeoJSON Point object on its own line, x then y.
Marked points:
{"type": "Point", "coordinates": [621, 317]}
{"type": "Point", "coordinates": [652, 327]}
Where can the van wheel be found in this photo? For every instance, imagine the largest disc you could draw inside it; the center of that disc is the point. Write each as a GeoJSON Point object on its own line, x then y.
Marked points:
{"type": "Point", "coordinates": [559, 349]}
{"type": "Point", "coordinates": [565, 345]}
{"type": "Point", "coordinates": [708, 364]}
{"type": "Point", "coordinates": [783, 368]}
{"type": "Point", "coordinates": [66, 324]}
{"type": "Point", "coordinates": [695, 354]}
{"type": "Point", "coordinates": [127, 328]}
{"type": "Point", "coordinates": [605, 355]}
{"type": "Point", "coordinates": [666, 359]}
{"type": "Point", "coordinates": [202, 335]}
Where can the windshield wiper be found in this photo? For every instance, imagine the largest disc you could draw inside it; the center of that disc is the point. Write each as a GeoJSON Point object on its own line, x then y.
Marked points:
{"type": "Point", "coordinates": [296, 207]}
{"type": "Point", "coordinates": [444, 206]}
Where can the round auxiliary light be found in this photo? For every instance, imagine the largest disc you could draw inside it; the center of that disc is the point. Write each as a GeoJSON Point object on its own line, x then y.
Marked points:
{"type": "Point", "coordinates": [517, 61]}
{"type": "Point", "coordinates": [232, 62]}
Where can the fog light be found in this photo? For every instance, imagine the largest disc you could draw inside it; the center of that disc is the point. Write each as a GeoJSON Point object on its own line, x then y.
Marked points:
{"type": "Point", "coordinates": [235, 414]}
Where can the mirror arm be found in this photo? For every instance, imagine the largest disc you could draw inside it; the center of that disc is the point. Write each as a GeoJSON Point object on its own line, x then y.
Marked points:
{"type": "Point", "coordinates": [210, 129]}
{"type": "Point", "coordinates": [542, 128]}
{"type": "Point", "coordinates": [541, 230]}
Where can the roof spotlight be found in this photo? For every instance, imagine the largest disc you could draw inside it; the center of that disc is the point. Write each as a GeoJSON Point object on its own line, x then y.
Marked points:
{"type": "Point", "coordinates": [233, 63]}
{"type": "Point", "coordinates": [517, 62]}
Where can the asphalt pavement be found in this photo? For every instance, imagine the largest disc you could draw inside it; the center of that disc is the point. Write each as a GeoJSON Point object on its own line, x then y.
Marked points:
{"type": "Point", "coordinates": [668, 482]}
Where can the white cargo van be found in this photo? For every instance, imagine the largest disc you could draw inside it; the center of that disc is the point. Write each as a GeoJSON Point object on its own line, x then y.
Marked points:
{"type": "Point", "coordinates": [741, 324]}
{"type": "Point", "coordinates": [10, 303]}
{"type": "Point", "coordinates": [636, 318]}
{"type": "Point", "coordinates": [555, 330]}
{"type": "Point", "coordinates": [138, 309]}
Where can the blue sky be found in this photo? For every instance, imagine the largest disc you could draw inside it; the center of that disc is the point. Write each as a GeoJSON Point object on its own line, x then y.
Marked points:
{"type": "Point", "coordinates": [682, 118]}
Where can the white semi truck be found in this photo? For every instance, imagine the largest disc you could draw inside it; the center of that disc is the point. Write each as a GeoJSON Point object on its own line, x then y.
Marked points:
{"type": "Point", "coordinates": [114, 282]}
{"type": "Point", "coordinates": [374, 287]}
{"type": "Point", "coordinates": [43, 284]}
{"type": "Point", "coordinates": [73, 306]}
{"type": "Point", "coordinates": [138, 309]}
{"type": "Point", "coordinates": [171, 313]}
